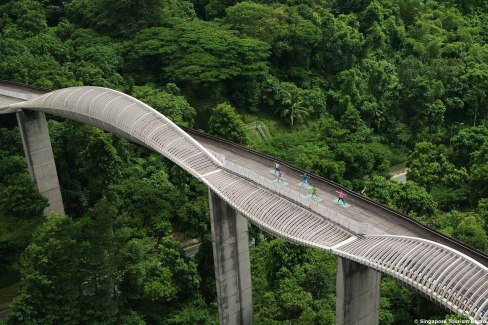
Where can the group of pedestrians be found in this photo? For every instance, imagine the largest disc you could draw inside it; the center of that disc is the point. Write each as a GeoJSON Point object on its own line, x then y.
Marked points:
{"type": "Point", "coordinates": [279, 173]}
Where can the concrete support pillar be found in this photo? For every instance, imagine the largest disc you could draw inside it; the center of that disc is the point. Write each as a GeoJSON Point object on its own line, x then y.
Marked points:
{"type": "Point", "coordinates": [357, 294]}
{"type": "Point", "coordinates": [231, 260]}
{"type": "Point", "coordinates": [40, 159]}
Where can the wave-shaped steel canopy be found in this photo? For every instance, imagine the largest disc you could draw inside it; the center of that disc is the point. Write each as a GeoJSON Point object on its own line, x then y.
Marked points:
{"type": "Point", "coordinates": [446, 276]}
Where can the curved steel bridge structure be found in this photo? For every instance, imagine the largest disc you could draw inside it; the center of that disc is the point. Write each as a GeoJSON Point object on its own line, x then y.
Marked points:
{"type": "Point", "coordinates": [441, 273]}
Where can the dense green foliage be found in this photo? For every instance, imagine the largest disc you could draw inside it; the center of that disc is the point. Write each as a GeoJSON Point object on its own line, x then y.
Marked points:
{"type": "Point", "coordinates": [21, 206]}
{"type": "Point", "coordinates": [292, 283]}
{"type": "Point", "coordinates": [226, 123]}
{"type": "Point", "coordinates": [116, 260]}
{"type": "Point", "coordinates": [352, 88]}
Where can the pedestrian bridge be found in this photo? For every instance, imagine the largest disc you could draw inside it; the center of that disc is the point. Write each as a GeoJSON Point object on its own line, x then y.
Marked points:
{"type": "Point", "coordinates": [445, 273]}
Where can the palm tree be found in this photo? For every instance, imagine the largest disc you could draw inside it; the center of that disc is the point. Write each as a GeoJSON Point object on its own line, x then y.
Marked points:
{"type": "Point", "coordinates": [295, 110]}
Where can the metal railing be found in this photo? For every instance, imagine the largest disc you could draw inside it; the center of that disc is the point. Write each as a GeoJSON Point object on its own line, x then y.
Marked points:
{"type": "Point", "coordinates": [220, 157]}
{"type": "Point", "coordinates": [302, 199]}
{"type": "Point", "coordinates": [13, 94]}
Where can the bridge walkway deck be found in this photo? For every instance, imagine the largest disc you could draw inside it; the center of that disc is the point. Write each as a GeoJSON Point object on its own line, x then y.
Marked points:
{"type": "Point", "coordinates": [355, 211]}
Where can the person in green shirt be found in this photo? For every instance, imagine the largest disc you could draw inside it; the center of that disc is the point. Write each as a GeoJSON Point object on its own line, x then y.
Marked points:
{"type": "Point", "coordinates": [314, 192]}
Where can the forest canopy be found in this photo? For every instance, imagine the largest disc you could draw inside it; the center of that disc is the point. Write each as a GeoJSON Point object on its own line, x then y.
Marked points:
{"type": "Point", "coordinates": [349, 90]}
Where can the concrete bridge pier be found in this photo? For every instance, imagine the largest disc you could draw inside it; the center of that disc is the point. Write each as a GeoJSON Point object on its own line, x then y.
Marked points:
{"type": "Point", "coordinates": [40, 158]}
{"type": "Point", "coordinates": [230, 241]}
{"type": "Point", "coordinates": [357, 294]}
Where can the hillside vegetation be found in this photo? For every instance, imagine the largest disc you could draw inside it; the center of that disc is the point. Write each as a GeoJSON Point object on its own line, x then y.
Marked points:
{"type": "Point", "coordinates": [345, 89]}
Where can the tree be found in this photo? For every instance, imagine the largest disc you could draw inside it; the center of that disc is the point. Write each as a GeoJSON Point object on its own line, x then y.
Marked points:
{"type": "Point", "coordinates": [341, 45]}
{"type": "Point", "coordinates": [477, 79]}
{"type": "Point", "coordinates": [21, 200]}
{"type": "Point", "coordinates": [24, 18]}
{"type": "Point", "coordinates": [482, 211]}
{"type": "Point", "coordinates": [466, 142]}
{"type": "Point", "coordinates": [422, 104]}
{"type": "Point", "coordinates": [429, 167]}
{"type": "Point", "coordinates": [101, 163]}
{"type": "Point", "coordinates": [400, 300]}
{"type": "Point", "coordinates": [125, 18]}
{"type": "Point", "coordinates": [358, 158]}
{"type": "Point", "coordinates": [382, 190]}
{"type": "Point", "coordinates": [149, 202]}
{"type": "Point", "coordinates": [81, 289]}
{"type": "Point", "coordinates": [94, 60]}
{"type": "Point", "coordinates": [415, 200]}
{"type": "Point", "coordinates": [426, 163]}
{"type": "Point", "coordinates": [61, 57]}
{"type": "Point", "coordinates": [199, 52]}
{"type": "Point", "coordinates": [405, 304]}
{"type": "Point", "coordinates": [99, 269]}
{"type": "Point", "coordinates": [408, 198]}
{"type": "Point", "coordinates": [305, 149]}
{"type": "Point", "coordinates": [351, 120]}
{"type": "Point", "coordinates": [471, 231]}
{"type": "Point", "coordinates": [351, 84]}
{"type": "Point", "coordinates": [293, 299]}
{"type": "Point", "coordinates": [316, 100]}
{"type": "Point", "coordinates": [257, 20]}
{"type": "Point", "coordinates": [294, 110]}
{"type": "Point", "coordinates": [383, 85]}
{"type": "Point", "coordinates": [21, 205]}
{"type": "Point", "coordinates": [192, 314]}
{"type": "Point", "coordinates": [155, 276]}
{"type": "Point", "coordinates": [349, 6]}
{"type": "Point", "coordinates": [479, 173]}
{"type": "Point", "coordinates": [167, 101]}
{"type": "Point", "coordinates": [298, 286]}
{"type": "Point", "coordinates": [211, 9]}
{"type": "Point", "coordinates": [40, 71]}
{"type": "Point", "coordinates": [88, 160]}
{"type": "Point", "coordinates": [292, 33]}
{"type": "Point", "coordinates": [331, 170]}
{"type": "Point", "coordinates": [194, 216]}
{"type": "Point", "coordinates": [452, 192]}
{"type": "Point", "coordinates": [226, 123]}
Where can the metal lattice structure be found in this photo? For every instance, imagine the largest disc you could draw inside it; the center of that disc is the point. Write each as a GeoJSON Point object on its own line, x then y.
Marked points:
{"type": "Point", "coordinates": [438, 272]}
{"type": "Point", "coordinates": [444, 275]}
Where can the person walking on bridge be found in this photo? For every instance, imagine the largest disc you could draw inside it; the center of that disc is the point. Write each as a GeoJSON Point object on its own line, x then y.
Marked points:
{"type": "Point", "coordinates": [341, 197]}
{"type": "Point", "coordinates": [277, 168]}
{"type": "Point", "coordinates": [304, 181]}
{"type": "Point", "coordinates": [314, 192]}
{"type": "Point", "coordinates": [280, 176]}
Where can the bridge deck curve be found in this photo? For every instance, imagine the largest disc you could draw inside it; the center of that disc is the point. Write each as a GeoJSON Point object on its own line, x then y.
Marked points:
{"type": "Point", "coordinates": [447, 276]}
{"type": "Point", "coordinates": [362, 209]}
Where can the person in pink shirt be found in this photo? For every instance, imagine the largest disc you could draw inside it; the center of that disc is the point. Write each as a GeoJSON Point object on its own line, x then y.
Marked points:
{"type": "Point", "coordinates": [341, 197]}
{"type": "Point", "coordinates": [280, 176]}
